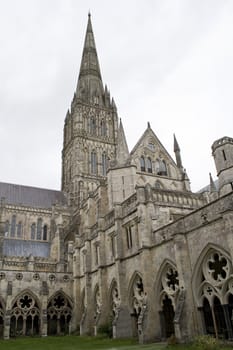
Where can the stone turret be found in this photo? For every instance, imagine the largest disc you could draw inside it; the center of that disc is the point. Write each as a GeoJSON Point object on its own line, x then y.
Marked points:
{"type": "Point", "coordinates": [223, 156]}
{"type": "Point", "coordinates": [177, 153]}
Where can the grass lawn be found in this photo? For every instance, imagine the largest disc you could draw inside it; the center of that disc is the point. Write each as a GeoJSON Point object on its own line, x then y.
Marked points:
{"type": "Point", "coordinates": [84, 343]}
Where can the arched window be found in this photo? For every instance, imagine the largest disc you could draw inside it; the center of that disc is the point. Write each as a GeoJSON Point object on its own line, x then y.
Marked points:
{"type": "Point", "coordinates": [59, 314]}
{"type": "Point", "coordinates": [164, 168]}
{"type": "Point", "coordinates": [104, 164]}
{"type": "Point", "coordinates": [103, 131]}
{"type": "Point", "coordinates": [149, 165]}
{"type": "Point", "coordinates": [19, 229]}
{"type": "Point", "coordinates": [13, 225]}
{"type": "Point", "coordinates": [25, 316]}
{"type": "Point", "coordinates": [142, 164]}
{"type": "Point", "coordinates": [161, 167]}
{"type": "Point", "coordinates": [39, 229]}
{"type": "Point", "coordinates": [33, 231]}
{"type": "Point", "coordinates": [45, 232]}
{"type": "Point", "coordinates": [93, 163]}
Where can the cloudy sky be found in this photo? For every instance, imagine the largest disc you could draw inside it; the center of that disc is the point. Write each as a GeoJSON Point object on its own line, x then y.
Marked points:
{"type": "Point", "coordinates": [169, 62]}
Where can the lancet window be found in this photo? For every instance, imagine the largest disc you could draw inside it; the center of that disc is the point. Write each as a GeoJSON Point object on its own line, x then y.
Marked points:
{"type": "Point", "coordinates": [149, 165]}
{"type": "Point", "coordinates": [93, 163]}
{"type": "Point", "coordinates": [142, 164]}
{"type": "Point", "coordinates": [103, 129]}
{"type": "Point", "coordinates": [104, 164]}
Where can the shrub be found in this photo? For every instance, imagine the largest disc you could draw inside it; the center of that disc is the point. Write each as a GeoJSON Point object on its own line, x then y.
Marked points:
{"type": "Point", "coordinates": [206, 342]}
{"type": "Point", "coordinates": [105, 329]}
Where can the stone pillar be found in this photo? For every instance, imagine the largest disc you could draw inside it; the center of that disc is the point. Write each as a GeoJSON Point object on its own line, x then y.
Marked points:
{"type": "Point", "coordinates": [122, 327]}
{"type": "Point", "coordinates": [2, 226]}
{"type": "Point", "coordinates": [44, 307]}
{"type": "Point", "coordinates": [87, 321]}
{"type": "Point", "coordinates": [185, 316]}
{"type": "Point", "coordinates": [7, 320]}
{"type": "Point", "coordinates": [148, 318]}
{"type": "Point", "coordinates": [6, 334]}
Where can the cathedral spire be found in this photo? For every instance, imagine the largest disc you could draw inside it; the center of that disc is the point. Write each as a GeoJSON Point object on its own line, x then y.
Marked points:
{"type": "Point", "coordinates": [90, 87]}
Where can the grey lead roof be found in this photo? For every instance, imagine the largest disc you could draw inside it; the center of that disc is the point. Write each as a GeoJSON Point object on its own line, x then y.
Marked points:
{"type": "Point", "coordinates": [31, 196]}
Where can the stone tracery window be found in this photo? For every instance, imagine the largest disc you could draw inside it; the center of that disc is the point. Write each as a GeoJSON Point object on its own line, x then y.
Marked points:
{"type": "Point", "coordinates": [97, 304]}
{"type": "Point", "coordinates": [213, 291]}
{"type": "Point", "coordinates": [25, 316]}
{"type": "Point", "coordinates": [169, 291]}
{"type": "Point", "coordinates": [115, 301]}
{"type": "Point", "coordinates": [138, 302]}
{"type": "Point", "coordinates": [59, 314]}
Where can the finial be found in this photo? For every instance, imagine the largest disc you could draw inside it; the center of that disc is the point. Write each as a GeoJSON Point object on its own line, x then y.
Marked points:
{"type": "Point", "coordinates": [148, 125]}
{"type": "Point", "coordinates": [212, 184]}
{"type": "Point", "coordinates": [89, 14]}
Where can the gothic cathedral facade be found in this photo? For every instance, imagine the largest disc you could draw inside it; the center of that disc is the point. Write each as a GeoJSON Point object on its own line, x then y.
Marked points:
{"type": "Point", "coordinates": [125, 244]}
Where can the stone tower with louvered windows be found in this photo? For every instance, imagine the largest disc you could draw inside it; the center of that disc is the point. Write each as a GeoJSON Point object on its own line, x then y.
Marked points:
{"type": "Point", "coordinates": [90, 131]}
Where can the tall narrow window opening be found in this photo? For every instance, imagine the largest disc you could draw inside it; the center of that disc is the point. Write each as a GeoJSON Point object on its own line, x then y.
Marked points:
{"type": "Point", "coordinates": [19, 229]}
{"type": "Point", "coordinates": [149, 165]}
{"type": "Point", "coordinates": [93, 163]}
{"type": "Point", "coordinates": [33, 231]}
{"type": "Point", "coordinates": [142, 164]}
{"type": "Point", "coordinates": [129, 237]}
{"type": "Point", "coordinates": [39, 229]}
{"type": "Point", "coordinates": [103, 130]}
{"type": "Point", "coordinates": [104, 164]}
{"type": "Point", "coordinates": [45, 232]}
{"type": "Point", "coordinates": [224, 155]}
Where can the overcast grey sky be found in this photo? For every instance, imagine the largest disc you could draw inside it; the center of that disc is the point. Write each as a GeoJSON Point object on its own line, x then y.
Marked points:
{"type": "Point", "coordinates": [169, 62]}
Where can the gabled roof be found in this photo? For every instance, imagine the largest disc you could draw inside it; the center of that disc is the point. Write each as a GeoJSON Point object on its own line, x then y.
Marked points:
{"type": "Point", "coordinates": [151, 133]}
{"type": "Point", "coordinates": [31, 196]}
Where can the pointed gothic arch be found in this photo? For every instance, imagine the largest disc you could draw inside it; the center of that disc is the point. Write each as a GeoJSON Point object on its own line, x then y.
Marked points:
{"type": "Point", "coordinates": [212, 285]}
{"type": "Point", "coordinates": [97, 300]}
{"type": "Point", "coordinates": [59, 313]}
{"type": "Point", "coordinates": [25, 314]}
{"type": "Point", "coordinates": [114, 300]}
{"type": "Point", "coordinates": [167, 291]}
{"type": "Point", "coordinates": [137, 298]}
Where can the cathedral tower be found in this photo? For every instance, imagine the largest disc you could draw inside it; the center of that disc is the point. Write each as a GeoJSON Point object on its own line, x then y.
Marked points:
{"type": "Point", "coordinates": [223, 156]}
{"type": "Point", "coordinates": [90, 130]}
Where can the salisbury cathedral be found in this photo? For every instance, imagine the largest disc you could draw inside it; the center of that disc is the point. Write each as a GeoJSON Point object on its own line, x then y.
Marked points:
{"type": "Point", "coordinates": [125, 244]}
